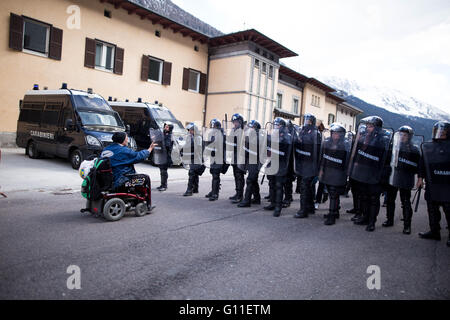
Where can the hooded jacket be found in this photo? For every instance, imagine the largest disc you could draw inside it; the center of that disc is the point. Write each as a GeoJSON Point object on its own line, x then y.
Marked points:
{"type": "Point", "coordinates": [122, 161]}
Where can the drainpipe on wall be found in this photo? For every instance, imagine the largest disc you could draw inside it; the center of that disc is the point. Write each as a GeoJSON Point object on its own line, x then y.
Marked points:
{"type": "Point", "coordinates": [206, 91]}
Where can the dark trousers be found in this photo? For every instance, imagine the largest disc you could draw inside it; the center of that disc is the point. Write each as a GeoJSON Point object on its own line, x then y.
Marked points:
{"type": "Point", "coordinates": [195, 172]}
{"type": "Point", "coordinates": [164, 175]}
{"type": "Point", "coordinates": [215, 183]}
{"type": "Point", "coordinates": [307, 195]}
{"type": "Point", "coordinates": [370, 201]}
{"type": "Point", "coordinates": [434, 214]}
{"type": "Point", "coordinates": [334, 193]}
{"type": "Point", "coordinates": [252, 181]}
{"type": "Point", "coordinates": [239, 180]}
{"type": "Point", "coordinates": [405, 197]}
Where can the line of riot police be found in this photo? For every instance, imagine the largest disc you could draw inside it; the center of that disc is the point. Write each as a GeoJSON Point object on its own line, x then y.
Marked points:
{"type": "Point", "coordinates": [372, 161]}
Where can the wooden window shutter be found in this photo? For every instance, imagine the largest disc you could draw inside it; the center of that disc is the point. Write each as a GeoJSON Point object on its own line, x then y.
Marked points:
{"type": "Point", "coordinates": [118, 60]}
{"type": "Point", "coordinates": [55, 47]}
{"type": "Point", "coordinates": [145, 68]}
{"type": "Point", "coordinates": [186, 79]}
{"type": "Point", "coordinates": [167, 73]}
{"type": "Point", "coordinates": [16, 32]}
{"type": "Point", "coordinates": [202, 88]}
{"type": "Point", "coordinates": [89, 54]}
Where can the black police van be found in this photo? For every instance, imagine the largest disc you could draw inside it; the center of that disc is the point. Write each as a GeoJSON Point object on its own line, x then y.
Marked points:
{"type": "Point", "coordinates": [71, 124]}
{"type": "Point", "coordinates": [141, 116]}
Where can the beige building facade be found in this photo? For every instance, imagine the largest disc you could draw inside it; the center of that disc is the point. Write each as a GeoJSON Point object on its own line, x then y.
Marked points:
{"type": "Point", "coordinates": [125, 50]}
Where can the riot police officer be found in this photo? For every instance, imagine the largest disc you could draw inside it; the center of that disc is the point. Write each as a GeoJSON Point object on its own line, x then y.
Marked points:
{"type": "Point", "coordinates": [435, 168]}
{"type": "Point", "coordinates": [215, 148]}
{"type": "Point", "coordinates": [168, 145]}
{"type": "Point", "coordinates": [404, 164]}
{"type": "Point", "coordinates": [250, 161]}
{"type": "Point", "coordinates": [277, 174]}
{"type": "Point", "coordinates": [366, 169]}
{"type": "Point", "coordinates": [233, 140]}
{"type": "Point", "coordinates": [335, 156]}
{"type": "Point", "coordinates": [307, 141]}
{"type": "Point", "coordinates": [192, 158]}
{"type": "Point", "coordinates": [290, 177]}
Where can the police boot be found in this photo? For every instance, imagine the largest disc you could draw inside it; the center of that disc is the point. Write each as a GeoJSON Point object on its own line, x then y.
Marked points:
{"type": "Point", "coordinates": [208, 195]}
{"type": "Point", "coordinates": [331, 218]}
{"type": "Point", "coordinates": [407, 214]}
{"type": "Point", "coordinates": [267, 197]}
{"type": "Point", "coordinates": [302, 213]}
{"type": "Point", "coordinates": [247, 201]}
{"type": "Point", "coordinates": [195, 186]}
{"type": "Point", "coordinates": [431, 235]}
{"type": "Point", "coordinates": [390, 210]}
{"type": "Point", "coordinates": [278, 200]}
{"type": "Point", "coordinates": [190, 186]}
{"type": "Point", "coordinates": [256, 194]}
{"type": "Point", "coordinates": [271, 206]}
{"type": "Point", "coordinates": [363, 219]}
{"type": "Point", "coordinates": [373, 213]}
{"type": "Point", "coordinates": [215, 190]}
{"type": "Point", "coordinates": [239, 193]}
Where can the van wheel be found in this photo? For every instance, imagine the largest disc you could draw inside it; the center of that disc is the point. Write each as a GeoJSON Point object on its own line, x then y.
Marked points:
{"type": "Point", "coordinates": [32, 150]}
{"type": "Point", "coordinates": [114, 209]}
{"type": "Point", "coordinates": [76, 158]}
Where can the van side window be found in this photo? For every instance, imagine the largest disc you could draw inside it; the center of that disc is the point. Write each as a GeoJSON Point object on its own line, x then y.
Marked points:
{"type": "Point", "coordinates": [50, 115]}
{"type": "Point", "coordinates": [31, 112]}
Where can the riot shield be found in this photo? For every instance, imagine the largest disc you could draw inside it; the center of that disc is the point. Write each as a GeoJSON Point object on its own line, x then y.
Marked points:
{"type": "Point", "coordinates": [278, 143]}
{"type": "Point", "coordinates": [249, 153]}
{"type": "Point", "coordinates": [306, 151]}
{"type": "Point", "coordinates": [191, 150]}
{"type": "Point", "coordinates": [405, 160]}
{"type": "Point", "coordinates": [233, 143]}
{"type": "Point", "coordinates": [436, 155]}
{"type": "Point", "coordinates": [334, 158]}
{"type": "Point", "coordinates": [369, 154]}
{"type": "Point", "coordinates": [213, 155]}
{"type": "Point", "coordinates": [160, 156]}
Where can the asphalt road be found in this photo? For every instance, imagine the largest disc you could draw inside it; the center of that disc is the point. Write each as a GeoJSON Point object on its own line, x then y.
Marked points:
{"type": "Point", "coordinates": [190, 248]}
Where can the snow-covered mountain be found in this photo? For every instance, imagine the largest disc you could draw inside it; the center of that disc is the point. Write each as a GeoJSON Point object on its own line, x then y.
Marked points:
{"type": "Point", "coordinates": [390, 99]}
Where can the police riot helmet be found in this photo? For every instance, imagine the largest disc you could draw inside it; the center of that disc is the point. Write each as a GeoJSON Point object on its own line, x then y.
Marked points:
{"type": "Point", "coordinates": [373, 120]}
{"type": "Point", "coordinates": [441, 130]}
{"type": "Point", "coordinates": [279, 122]}
{"type": "Point", "coordinates": [215, 124]}
{"type": "Point", "coordinates": [192, 126]}
{"type": "Point", "coordinates": [337, 127]}
{"type": "Point", "coordinates": [238, 117]}
{"type": "Point", "coordinates": [406, 129]}
{"type": "Point", "coordinates": [311, 117]}
{"type": "Point", "coordinates": [254, 124]}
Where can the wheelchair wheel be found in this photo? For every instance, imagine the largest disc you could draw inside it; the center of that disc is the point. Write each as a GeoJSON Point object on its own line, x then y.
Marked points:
{"type": "Point", "coordinates": [141, 209]}
{"type": "Point", "coordinates": [114, 209]}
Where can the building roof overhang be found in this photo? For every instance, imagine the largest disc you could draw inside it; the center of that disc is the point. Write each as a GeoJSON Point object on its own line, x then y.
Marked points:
{"type": "Point", "coordinates": [256, 37]}
{"type": "Point", "coordinates": [146, 14]}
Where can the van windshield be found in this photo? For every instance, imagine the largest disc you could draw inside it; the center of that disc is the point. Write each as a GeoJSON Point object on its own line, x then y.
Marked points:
{"type": "Point", "coordinates": [163, 115]}
{"type": "Point", "coordinates": [95, 118]}
{"type": "Point", "coordinates": [90, 101]}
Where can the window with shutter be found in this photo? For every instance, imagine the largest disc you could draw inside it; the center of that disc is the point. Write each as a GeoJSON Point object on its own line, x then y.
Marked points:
{"type": "Point", "coordinates": [118, 61]}
{"type": "Point", "coordinates": [89, 54]}
{"type": "Point", "coordinates": [185, 79]}
{"type": "Point", "coordinates": [15, 32]}
{"type": "Point", "coordinates": [203, 79]}
{"type": "Point", "coordinates": [55, 49]}
{"type": "Point", "coordinates": [167, 73]}
{"type": "Point", "coordinates": [145, 67]}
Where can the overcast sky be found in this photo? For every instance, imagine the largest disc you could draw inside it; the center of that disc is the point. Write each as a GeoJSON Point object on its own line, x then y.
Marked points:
{"type": "Point", "coordinates": [401, 44]}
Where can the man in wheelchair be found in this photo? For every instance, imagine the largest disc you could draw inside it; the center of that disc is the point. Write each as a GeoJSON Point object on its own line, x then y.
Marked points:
{"type": "Point", "coordinates": [122, 160]}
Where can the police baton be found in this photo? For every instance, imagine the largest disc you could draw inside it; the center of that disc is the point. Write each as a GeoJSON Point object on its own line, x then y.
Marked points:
{"type": "Point", "coordinates": [262, 180]}
{"type": "Point", "coordinates": [418, 194]}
